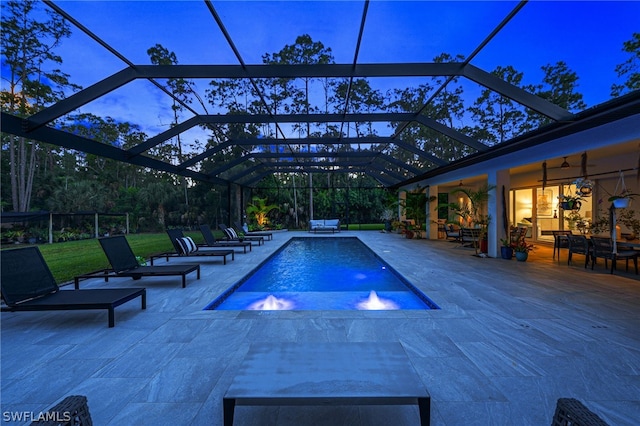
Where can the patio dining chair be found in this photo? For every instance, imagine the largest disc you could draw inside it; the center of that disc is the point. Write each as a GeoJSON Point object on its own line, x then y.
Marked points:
{"type": "Point", "coordinates": [560, 240]}
{"type": "Point", "coordinates": [603, 247]}
{"type": "Point", "coordinates": [579, 244]}
{"type": "Point", "coordinates": [28, 285]}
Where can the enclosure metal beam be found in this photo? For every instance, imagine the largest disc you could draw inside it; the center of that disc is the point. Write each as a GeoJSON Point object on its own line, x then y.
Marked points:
{"type": "Point", "coordinates": [165, 136]}
{"type": "Point", "coordinates": [452, 133]}
{"type": "Point", "coordinates": [80, 98]}
{"type": "Point", "coordinates": [206, 154]}
{"type": "Point", "coordinates": [296, 170]}
{"type": "Point", "coordinates": [14, 125]}
{"type": "Point", "coordinates": [519, 95]}
{"type": "Point", "coordinates": [131, 73]}
{"type": "Point", "coordinates": [414, 69]}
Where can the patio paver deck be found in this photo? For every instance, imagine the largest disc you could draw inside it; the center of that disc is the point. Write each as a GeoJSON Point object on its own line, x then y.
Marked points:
{"type": "Point", "coordinates": [510, 339]}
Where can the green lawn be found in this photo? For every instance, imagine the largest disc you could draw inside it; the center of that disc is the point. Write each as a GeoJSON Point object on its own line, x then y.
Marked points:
{"type": "Point", "coordinates": [70, 259]}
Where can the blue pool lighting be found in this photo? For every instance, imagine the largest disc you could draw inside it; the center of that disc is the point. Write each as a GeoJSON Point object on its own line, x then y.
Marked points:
{"type": "Point", "coordinates": [336, 273]}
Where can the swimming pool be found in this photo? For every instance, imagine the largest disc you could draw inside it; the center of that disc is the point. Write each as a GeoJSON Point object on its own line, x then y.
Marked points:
{"type": "Point", "coordinates": [336, 273]}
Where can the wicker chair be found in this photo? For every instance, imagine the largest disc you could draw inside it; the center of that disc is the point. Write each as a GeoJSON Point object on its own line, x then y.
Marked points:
{"type": "Point", "coordinates": [71, 411]}
{"type": "Point", "coordinates": [571, 412]}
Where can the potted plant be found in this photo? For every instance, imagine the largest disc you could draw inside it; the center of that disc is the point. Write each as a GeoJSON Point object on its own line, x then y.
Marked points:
{"type": "Point", "coordinates": [387, 217]}
{"type": "Point", "coordinates": [415, 208]}
{"type": "Point", "coordinates": [628, 218]}
{"type": "Point", "coordinates": [574, 220]}
{"type": "Point", "coordinates": [522, 249]}
{"type": "Point", "coordinates": [600, 225]}
{"type": "Point", "coordinates": [506, 250]}
{"type": "Point", "coordinates": [584, 187]}
{"type": "Point", "coordinates": [570, 202]}
{"type": "Point", "coordinates": [472, 213]}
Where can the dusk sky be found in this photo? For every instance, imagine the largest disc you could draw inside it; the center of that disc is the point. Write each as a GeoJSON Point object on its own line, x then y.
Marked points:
{"type": "Point", "coordinates": [588, 36]}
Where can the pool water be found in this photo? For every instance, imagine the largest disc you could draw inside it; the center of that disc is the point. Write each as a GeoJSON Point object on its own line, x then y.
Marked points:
{"type": "Point", "coordinates": [334, 273]}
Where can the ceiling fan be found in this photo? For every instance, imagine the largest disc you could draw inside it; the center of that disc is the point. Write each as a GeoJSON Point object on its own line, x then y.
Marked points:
{"type": "Point", "coordinates": [566, 165]}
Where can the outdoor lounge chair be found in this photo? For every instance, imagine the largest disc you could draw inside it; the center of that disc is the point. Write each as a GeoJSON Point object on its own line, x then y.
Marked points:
{"type": "Point", "coordinates": [125, 264]}
{"type": "Point", "coordinates": [184, 246]}
{"type": "Point", "coordinates": [28, 285]}
{"type": "Point", "coordinates": [210, 240]}
{"type": "Point", "coordinates": [232, 235]}
{"type": "Point", "coordinates": [239, 228]}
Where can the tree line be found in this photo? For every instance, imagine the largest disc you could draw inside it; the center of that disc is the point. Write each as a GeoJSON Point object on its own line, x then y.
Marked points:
{"type": "Point", "coordinates": [37, 176]}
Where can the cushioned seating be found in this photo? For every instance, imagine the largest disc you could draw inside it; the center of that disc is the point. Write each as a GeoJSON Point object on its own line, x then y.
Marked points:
{"type": "Point", "coordinates": [453, 232]}
{"type": "Point", "coordinates": [325, 225]}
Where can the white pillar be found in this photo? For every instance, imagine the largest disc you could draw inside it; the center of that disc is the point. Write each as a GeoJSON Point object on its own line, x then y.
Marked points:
{"type": "Point", "coordinates": [499, 179]}
{"type": "Point", "coordinates": [402, 198]}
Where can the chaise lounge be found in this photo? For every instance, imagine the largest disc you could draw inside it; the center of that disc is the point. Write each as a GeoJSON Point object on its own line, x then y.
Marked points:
{"type": "Point", "coordinates": [184, 246]}
{"type": "Point", "coordinates": [210, 240]}
{"type": "Point", "coordinates": [28, 285]}
{"type": "Point", "coordinates": [324, 225]}
{"type": "Point", "coordinates": [239, 228]}
{"type": "Point", "coordinates": [232, 235]}
{"type": "Point", "coordinates": [125, 264]}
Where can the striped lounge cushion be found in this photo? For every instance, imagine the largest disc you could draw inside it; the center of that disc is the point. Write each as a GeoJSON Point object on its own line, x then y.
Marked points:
{"type": "Point", "coordinates": [231, 234]}
{"type": "Point", "coordinates": [187, 245]}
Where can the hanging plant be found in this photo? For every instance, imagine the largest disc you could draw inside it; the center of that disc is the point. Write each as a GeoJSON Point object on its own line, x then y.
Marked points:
{"type": "Point", "coordinates": [569, 202]}
{"type": "Point", "coordinates": [584, 187]}
{"type": "Point", "coordinates": [623, 196]}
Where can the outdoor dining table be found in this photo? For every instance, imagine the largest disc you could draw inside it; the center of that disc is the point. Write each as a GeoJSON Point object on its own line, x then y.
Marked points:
{"type": "Point", "coordinates": [635, 243]}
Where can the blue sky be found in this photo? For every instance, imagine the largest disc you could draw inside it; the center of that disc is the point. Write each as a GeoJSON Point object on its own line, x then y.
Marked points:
{"type": "Point", "coordinates": [588, 36]}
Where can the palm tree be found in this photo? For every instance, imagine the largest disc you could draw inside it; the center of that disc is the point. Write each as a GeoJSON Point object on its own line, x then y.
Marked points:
{"type": "Point", "coordinates": [259, 209]}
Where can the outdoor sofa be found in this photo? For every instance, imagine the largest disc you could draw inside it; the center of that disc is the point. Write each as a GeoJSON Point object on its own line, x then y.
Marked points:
{"type": "Point", "coordinates": [324, 225]}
